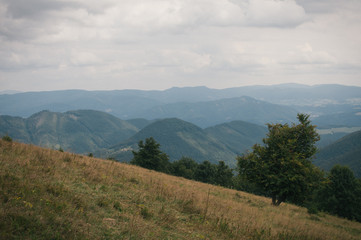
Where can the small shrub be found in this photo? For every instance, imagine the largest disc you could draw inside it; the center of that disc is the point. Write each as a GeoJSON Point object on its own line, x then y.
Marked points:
{"type": "Point", "coordinates": [7, 138]}
{"type": "Point", "coordinates": [134, 180]}
{"type": "Point", "coordinates": [61, 150]}
{"type": "Point", "coordinates": [315, 218]}
{"type": "Point", "coordinates": [312, 209]}
{"type": "Point", "coordinates": [102, 202]}
{"type": "Point", "coordinates": [90, 155]}
{"type": "Point", "coordinates": [117, 206]}
{"type": "Point", "coordinates": [145, 213]}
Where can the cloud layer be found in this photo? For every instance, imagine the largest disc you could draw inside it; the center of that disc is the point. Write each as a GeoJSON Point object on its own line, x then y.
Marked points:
{"type": "Point", "coordinates": [157, 44]}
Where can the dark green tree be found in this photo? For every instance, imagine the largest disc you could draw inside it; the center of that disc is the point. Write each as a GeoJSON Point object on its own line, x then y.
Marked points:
{"type": "Point", "coordinates": [150, 156]}
{"type": "Point", "coordinates": [7, 138]}
{"type": "Point", "coordinates": [223, 175]}
{"type": "Point", "coordinates": [341, 194]}
{"type": "Point", "coordinates": [205, 172]}
{"type": "Point", "coordinates": [282, 166]}
{"type": "Point", "coordinates": [184, 167]}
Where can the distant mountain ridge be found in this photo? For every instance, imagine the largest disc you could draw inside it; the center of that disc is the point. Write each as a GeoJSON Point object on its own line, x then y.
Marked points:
{"type": "Point", "coordinates": [316, 100]}
{"type": "Point", "coordinates": [209, 113]}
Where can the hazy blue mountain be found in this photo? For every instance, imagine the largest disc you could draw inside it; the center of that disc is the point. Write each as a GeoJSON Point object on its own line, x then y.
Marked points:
{"type": "Point", "coordinates": [205, 114]}
{"type": "Point", "coordinates": [328, 105]}
{"type": "Point", "coordinates": [297, 94]}
{"type": "Point", "coordinates": [239, 136]}
{"type": "Point", "coordinates": [77, 131]}
{"type": "Point", "coordinates": [120, 103]}
{"type": "Point", "coordinates": [322, 98]}
{"type": "Point", "coordinates": [177, 138]}
{"type": "Point", "coordinates": [348, 119]}
{"type": "Point", "coordinates": [345, 151]}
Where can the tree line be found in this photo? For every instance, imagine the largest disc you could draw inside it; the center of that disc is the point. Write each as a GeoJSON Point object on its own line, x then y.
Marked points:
{"type": "Point", "coordinates": [280, 168]}
{"type": "Point", "coordinates": [151, 157]}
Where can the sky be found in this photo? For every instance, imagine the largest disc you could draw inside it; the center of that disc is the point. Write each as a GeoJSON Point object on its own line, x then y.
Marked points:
{"type": "Point", "coordinates": [159, 44]}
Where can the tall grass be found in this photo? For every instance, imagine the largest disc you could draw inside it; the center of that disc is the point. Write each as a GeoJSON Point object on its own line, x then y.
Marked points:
{"type": "Point", "coordinates": [47, 194]}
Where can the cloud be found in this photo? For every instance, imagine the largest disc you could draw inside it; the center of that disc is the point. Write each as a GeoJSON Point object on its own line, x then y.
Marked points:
{"type": "Point", "coordinates": [165, 43]}
{"type": "Point", "coordinates": [81, 58]}
{"type": "Point", "coordinates": [27, 19]}
{"type": "Point", "coordinates": [275, 13]}
{"type": "Point", "coordinates": [306, 55]}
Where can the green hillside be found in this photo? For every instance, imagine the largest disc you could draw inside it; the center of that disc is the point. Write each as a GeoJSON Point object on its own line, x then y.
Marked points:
{"type": "Point", "coordinates": [346, 151]}
{"type": "Point", "coordinates": [177, 138]}
{"type": "Point", "coordinates": [46, 194]}
{"type": "Point", "coordinates": [239, 136]}
{"type": "Point", "coordinates": [77, 131]}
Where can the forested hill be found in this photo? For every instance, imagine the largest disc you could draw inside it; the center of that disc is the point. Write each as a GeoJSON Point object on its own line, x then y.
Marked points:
{"type": "Point", "coordinates": [177, 138]}
{"type": "Point", "coordinates": [346, 151]}
{"type": "Point", "coordinates": [239, 136]}
{"type": "Point", "coordinates": [79, 131]}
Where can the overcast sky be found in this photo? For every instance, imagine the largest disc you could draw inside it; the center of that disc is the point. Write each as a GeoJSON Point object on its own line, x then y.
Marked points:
{"type": "Point", "coordinates": [158, 44]}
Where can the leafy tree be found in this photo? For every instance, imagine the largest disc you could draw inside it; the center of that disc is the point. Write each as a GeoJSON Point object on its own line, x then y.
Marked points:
{"type": "Point", "coordinates": [205, 172]}
{"type": "Point", "coordinates": [150, 156]}
{"type": "Point", "coordinates": [341, 194]}
{"type": "Point", "coordinates": [184, 167]}
{"type": "Point", "coordinates": [223, 175]}
{"type": "Point", "coordinates": [282, 166]}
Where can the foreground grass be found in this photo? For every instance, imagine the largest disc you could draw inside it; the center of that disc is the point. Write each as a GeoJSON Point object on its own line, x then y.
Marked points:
{"type": "Point", "coordinates": [46, 194]}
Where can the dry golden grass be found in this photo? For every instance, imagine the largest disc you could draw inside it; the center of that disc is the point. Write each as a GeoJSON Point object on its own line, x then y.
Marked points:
{"type": "Point", "coordinates": [46, 194]}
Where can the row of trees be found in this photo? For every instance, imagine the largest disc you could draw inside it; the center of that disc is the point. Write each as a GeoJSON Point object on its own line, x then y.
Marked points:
{"type": "Point", "coordinates": [280, 168]}
{"type": "Point", "coordinates": [150, 156]}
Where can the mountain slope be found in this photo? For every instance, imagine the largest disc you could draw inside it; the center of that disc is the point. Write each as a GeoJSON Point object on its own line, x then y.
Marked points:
{"type": "Point", "coordinates": [46, 194]}
{"type": "Point", "coordinates": [177, 138]}
{"type": "Point", "coordinates": [346, 151]}
{"type": "Point", "coordinates": [205, 114]}
{"type": "Point", "coordinates": [238, 136]}
{"type": "Point", "coordinates": [77, 131]}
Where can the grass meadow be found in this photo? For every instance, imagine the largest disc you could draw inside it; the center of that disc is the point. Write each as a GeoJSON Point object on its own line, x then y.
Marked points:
{"type": "Point", "coordinates": [47, 194]}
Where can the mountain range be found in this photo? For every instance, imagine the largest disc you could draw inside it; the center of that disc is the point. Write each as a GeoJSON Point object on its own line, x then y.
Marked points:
{"type": "Point", "coordinates": [106, 136]}
{"type": "Point", "coordinates": [86, 131]}
{"type": "Point", "coordinates": [328, 105]}
{"type": "Point", "coordinates": [198, 122]}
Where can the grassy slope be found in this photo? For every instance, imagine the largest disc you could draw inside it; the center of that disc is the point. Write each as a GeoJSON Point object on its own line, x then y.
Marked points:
{"type": "Point", "coordinates": [46, 194]}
